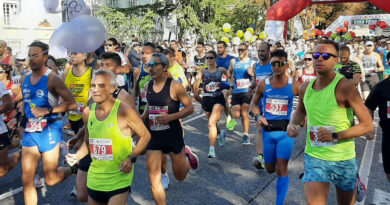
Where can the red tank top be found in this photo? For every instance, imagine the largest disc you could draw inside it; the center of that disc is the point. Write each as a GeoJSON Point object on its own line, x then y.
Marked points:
{"type": "Point", "coordinates": [307, 77]}
{"type": "Point", "coordinates": [10, 114]}
{"type": "Point", "coordinates": [7, 60]}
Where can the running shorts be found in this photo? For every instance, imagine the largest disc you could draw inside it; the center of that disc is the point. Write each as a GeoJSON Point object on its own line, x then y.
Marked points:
{"type": "Point", "coordinates": [104, 196]}
{"type": "Point", "coordinates": [76, 125]}
{"type": "Point", "coordinates": [276, 144]}
{"type": "Point", "coordinates": [371, 81]}
{"type": "Point", "coordinates": [241, 98]}
{"type": "Point", "coordinates": [4, 140]}
{"type": "Point", "coordinates": [167, 143]}
{"type": "Point", "coordinates": [209, 102]}
{"type": "Point", "coordinates": [341, 173]}
{"type": "Point", "coordinates": [46, 140]}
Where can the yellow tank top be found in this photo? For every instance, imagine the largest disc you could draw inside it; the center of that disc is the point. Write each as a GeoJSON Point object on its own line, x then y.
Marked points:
{"type": "Point", "coordinates": [109, 147]}
{"type": "Point", "coordinates": [79, 87]}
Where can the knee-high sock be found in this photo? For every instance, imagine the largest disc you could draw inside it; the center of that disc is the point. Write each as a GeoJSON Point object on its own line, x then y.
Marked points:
{"type": "Point", "coordinates": [282, 189]}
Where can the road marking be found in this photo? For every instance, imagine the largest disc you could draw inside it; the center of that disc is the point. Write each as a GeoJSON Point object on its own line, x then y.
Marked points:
{"type": "Point", "coordinates": [365, 165]}
{"type": "Point", "coordinates": [10, 193]}
{"type": "Point", "coordinates": [381, 197]}
{"type": "Point", "coordinates": [194, 118]}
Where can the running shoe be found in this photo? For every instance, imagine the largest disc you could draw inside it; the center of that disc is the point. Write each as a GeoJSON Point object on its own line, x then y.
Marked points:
{"type": "Point", "coordinates": [192, 158]}
{"type": "Point", "coordinates": [221, 138]}
{"type": "Point", "coordinates": [39, 182]}
{"type": "Point", "coordinates": [361, 190]}
{"type": "Point", "coordinates": [231, 125]}
{"type": "Point", "coordinates": [73, 192]}
{"type": "Point", "coordinates": [258, 162]}
{"type": "Point", "coordinates": [245, 140]}
{"type": "Point", "coordinates": [165, 180]}
{"type": "Point", "coordinates": [211, 154]}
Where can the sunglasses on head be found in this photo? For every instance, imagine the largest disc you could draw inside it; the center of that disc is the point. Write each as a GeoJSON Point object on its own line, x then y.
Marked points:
{"type": "Point", "coordinates": [325, 56]}
{"type": "Point", "coordinates": [153, 64]}
{"type": "Point", "coordinates": [307, 59]}
{"type": "Point", "coordinates": [279, 63]}
{"type": "Point", "coordinates": [209, 58]}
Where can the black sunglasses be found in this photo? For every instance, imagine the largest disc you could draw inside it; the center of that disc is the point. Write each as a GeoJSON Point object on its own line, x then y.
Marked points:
{"type": "Point", "coordinates": [152, 64]}
{"type": "Point", "coordinates": [109, 44]}
{"type": "Point", "coordinates": [279, 63]}
{"type": "Point", "coordinates": [325, 56]}
{"type": "Point", "coordinates": [241, 49]}
{"type": "Point", "coordinates": [307, 59]}
{"type": "Point", "coordinates": [209, 58]}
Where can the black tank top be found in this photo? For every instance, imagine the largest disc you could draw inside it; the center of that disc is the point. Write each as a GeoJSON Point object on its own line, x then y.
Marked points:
{"type": "Point", "coordinates": [162, 102]}
{"type": "Point", "coordinates": [212, 81]}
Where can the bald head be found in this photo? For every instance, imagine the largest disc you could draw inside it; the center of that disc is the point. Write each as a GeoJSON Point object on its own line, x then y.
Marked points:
{"type": "Point", "coordinates": [263, 51]}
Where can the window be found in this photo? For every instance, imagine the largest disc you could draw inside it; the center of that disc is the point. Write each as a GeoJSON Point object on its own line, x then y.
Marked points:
{"type": "Point", "coordinates": [9, 10]}
{"type": "Point", "coordinates": [113, 3]}
{"type": "Point", "coordinates": [133, 3]}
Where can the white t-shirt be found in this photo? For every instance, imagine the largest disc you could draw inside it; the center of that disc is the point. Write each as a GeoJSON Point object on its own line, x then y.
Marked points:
{"type": "Point", "coordinates": [123, 58]}
{"type": "Point", "coordinates": [3, 91]}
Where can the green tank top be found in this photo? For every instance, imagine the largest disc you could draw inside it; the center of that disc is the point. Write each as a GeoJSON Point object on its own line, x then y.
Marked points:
{"type": "Point", "coordinates": [323, 111]}
{"type": "Point", "coordinates": [109, 147]}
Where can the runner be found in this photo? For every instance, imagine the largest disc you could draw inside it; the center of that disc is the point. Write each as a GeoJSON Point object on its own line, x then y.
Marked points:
{"type": "Point", "coordinates": [142, 76]}
{"type": "Point", "coordinates": [380, 97]}
{"type": "Point", "coordinates": [277, 94]}
{"type": "Point", "coordinates": [262, 70]}
{"type": "Point", "coordinates": [349, 69]}
{"type": "Point", "coordinates": [241, 70]}
{"type": "Point", "coordinates": [371, 64]}
{"type": "Point", "coordinates": [12, 89]}
{"type": "Point", "coordinates": [213, 101]}
{"type": "Point", "coordinates": [43, 133]}
{"type": "Point", "coordinates": [385, 62]}
{"type": "Point", "coordinates": [224, 61]}
{"type": "Point", "coordinates": [307, 72]}
{"type": "Point", "coordinates": [6, 58]}
{"type": "Point", "coordinates": [7, 162]}
{"type": "Point", "coordinates": [110, 124]}
{"type": "Point", "coordinates": [162, 114]}
{"type": "Point", "coordinates": [110, 61]}
{"type": "Point", "coordinates": [328, 102]}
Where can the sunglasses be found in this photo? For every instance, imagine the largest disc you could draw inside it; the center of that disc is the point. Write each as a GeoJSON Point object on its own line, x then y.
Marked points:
{"type": "Point", "coordinates": [325, 56]}
{"type": "Point", "coordinates": [241, 50]}
{"type": "Point", "coordinates": [209, 58]}
{"type": "Point", "coordinates": [35, 55]}
{"type": "Point", "coordinates": [109, 44]}
{"type": "Point", "coordinates": [279, 63]}
{"type": "Point", "coordinates": [307, 59]}
{"type": "Point", "coordinates": [153, 64]}
{"type": "Point", "coordinates": [369, 45]}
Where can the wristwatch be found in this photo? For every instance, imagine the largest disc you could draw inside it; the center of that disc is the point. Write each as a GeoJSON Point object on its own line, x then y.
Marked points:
{"type": "Point", "coordinates": [50, 109]}
{"type": "Point", "coordinates": [258, 117]}
{"type": "Point", "coordinates": [335, 137]}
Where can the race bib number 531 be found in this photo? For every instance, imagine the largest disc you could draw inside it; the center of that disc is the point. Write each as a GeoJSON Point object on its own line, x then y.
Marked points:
{"type": "Point", "coordinates": [101, 149]}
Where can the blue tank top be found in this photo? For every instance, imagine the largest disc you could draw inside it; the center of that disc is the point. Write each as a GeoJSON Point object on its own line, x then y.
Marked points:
{"type": "Point", "coordinates": [242, 79]}
{"type": "Point", "coordinates": [385, 59]}
{"type": "Point", "coordinates": [38, 95]}
{"type": "Point", "coordinates": [263, 71]}
{"type": "Point", "coordinates": [278, 102]}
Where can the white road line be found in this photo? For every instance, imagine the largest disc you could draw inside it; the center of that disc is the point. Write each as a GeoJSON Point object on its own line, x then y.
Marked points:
{"type": "Point", "coordinates": [381, 197]}
{"type": "Point", "coordinates": [194, 118]}
{"type": "Point", "coordinates": [10, 193]}
{"type": "Point", "coordinates": [365, 165]}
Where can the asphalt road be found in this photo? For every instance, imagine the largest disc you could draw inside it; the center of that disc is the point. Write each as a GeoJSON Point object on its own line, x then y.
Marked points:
{"type": "Point", "coordinates": [228, 179]}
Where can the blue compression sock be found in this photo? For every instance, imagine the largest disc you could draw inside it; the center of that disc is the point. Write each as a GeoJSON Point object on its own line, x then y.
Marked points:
{"type": "Point", "coordinates": [282, 189]}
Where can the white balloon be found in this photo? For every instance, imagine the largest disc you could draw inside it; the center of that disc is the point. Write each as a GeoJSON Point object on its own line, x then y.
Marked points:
{"type": "Point", "coordinates": [76, 8]}
{"type": "Point", "coordinates": [84, 34]}
{"type": "Point", "coordinates": [52, 6]}
{"type": "Point", "coordinates": [56, 47]}
{"type": "Point", "coordinates": [236, 41]}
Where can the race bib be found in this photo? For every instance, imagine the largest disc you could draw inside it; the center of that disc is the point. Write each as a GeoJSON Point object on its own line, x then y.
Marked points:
{"type": "Point", "coordinates": [243, 83]}
{"type": "Point", "coordinates": [276, 106]}
{"type": "Point", "coordinates": [191, 68]}
{"type": "Point", "coordinates": [36, 125]}
{"type": "Point", "coordinates": [213, 86]}
{"type": "Point", "coordinates": [143, 96]}
{"type": "Point", "coordinates": [388, 109]}
{"type": "Point", "coordinates": [314, 137]}
{"type": "Point", "coordinates": [154, 112]}
{"type": "Point", "coordinates": [79, 110]}
{"type": "Point", "coordinates": [224, 77]}
{"type": "Point", "coordinates": [101, 149]}
{"type": "Point", "coordinates": [259, 78]}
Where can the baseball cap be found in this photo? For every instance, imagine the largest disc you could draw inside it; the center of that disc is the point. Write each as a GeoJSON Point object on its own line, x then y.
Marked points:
{"type": "Point", "coordinates": [369, 43]}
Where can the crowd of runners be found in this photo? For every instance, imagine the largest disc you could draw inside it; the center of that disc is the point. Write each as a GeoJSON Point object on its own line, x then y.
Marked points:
{"type": "Point", "coordinates": [123, 101]}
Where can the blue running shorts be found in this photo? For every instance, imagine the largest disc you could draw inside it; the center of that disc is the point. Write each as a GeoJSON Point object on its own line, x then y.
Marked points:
{"type": "Point", "coordinates": [46, 140]}
{"type": "Point", "coordinates": [276, 144]}
{"type": "Point", "coordinates": [341, 173]}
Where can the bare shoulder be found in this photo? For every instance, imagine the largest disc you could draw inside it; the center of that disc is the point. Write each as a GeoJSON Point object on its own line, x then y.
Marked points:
{"type": "Point", "coordinates": [345, 86]}
{"type": "Point", "coordinates": [302, 88]}
{"type": "Point", "coordinates": [124, 109]}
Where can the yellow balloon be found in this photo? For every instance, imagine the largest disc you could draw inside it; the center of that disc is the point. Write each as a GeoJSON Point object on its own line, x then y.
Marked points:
{"type": "Point", "coordinates": [240, 33]}
{"type": "Point", "coordinates": [305, 31]}
{"type": "Point", "coordinates": [250, 29]}
{"type": "Point", "coordinates": [263, 35]}
{"type": "Point", "coordinates": [225, 39]}
{"type": "Point", "coordinates": [226, 27]}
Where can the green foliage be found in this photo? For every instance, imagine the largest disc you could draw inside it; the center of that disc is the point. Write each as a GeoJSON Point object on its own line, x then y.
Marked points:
{"type": "Point", "coordinates": [117, 24]}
